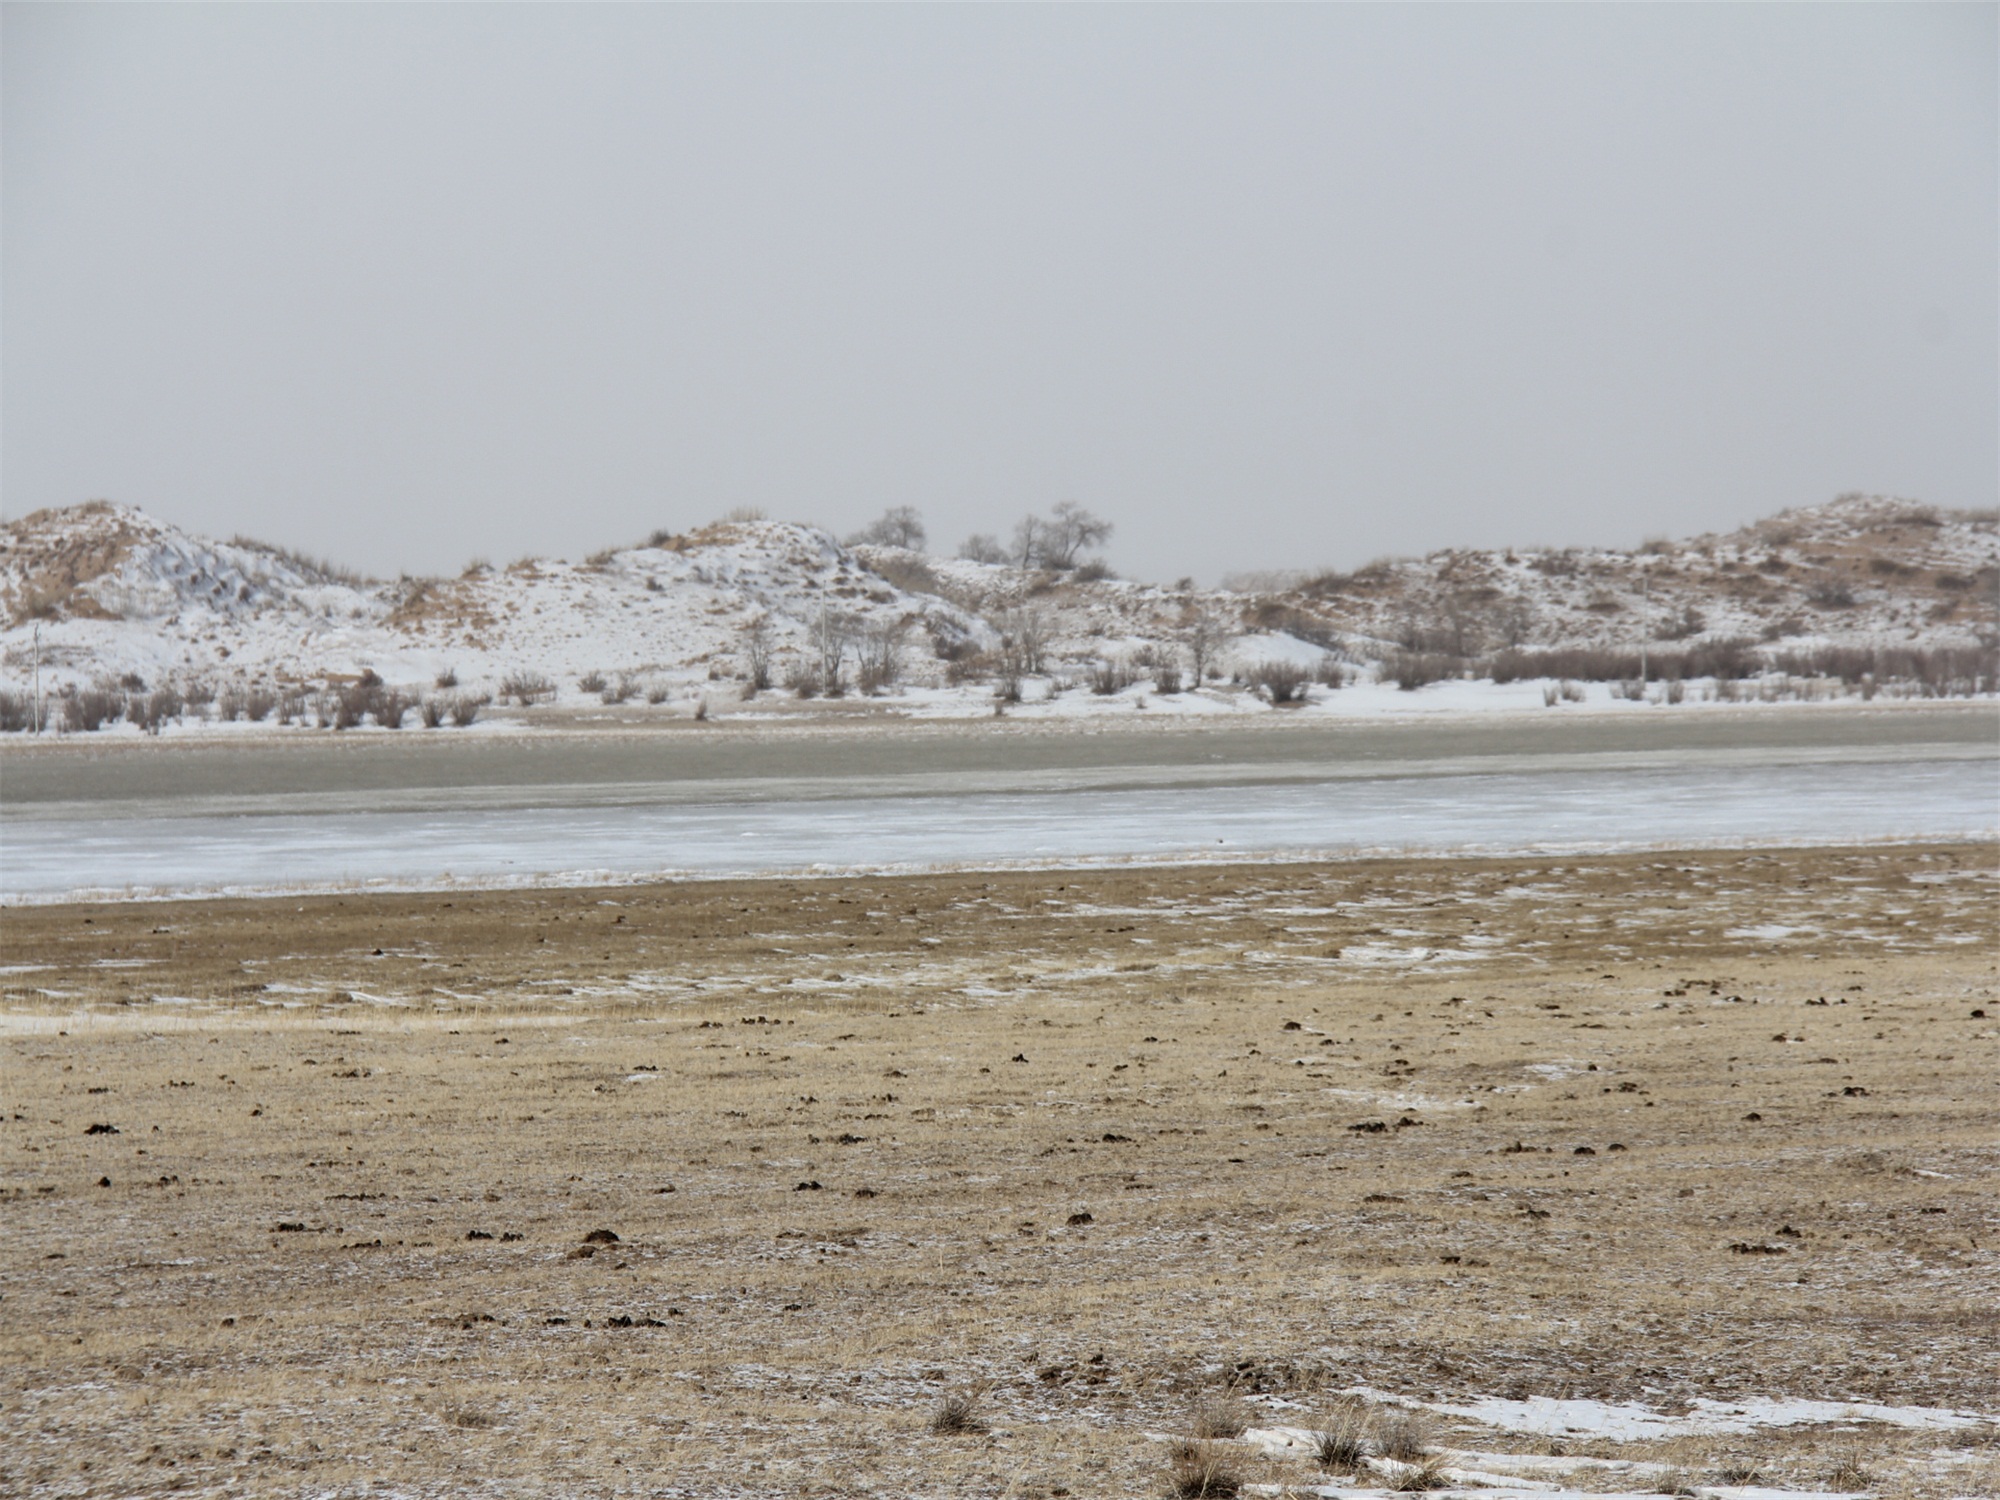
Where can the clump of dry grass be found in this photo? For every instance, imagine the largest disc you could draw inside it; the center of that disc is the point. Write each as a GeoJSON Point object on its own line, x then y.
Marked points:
{"type": "Point", "coordinates": [958, 1416]}
{"type": "Point", "coordinates": [1738, 1471]}
{"type": "Point", "coordinates": [1219, 1415]}
{"type": "Point", "coordinates": [1342, 1445]}
{"type": "Point", "coordinates": [1403, 1436]}
{"type": "Point", "coordinates": [1416, 1478]}
{"type": "Point", "coordinates": [1201, 1472]}
{"type": "Point", "coordinates": [1849, 1473]}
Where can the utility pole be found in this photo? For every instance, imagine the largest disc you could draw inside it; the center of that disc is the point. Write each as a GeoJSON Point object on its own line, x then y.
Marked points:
{"type": "Point", "coordinates": [1645, 617]}
{"type": "Point", "coordinates": [38, 677]}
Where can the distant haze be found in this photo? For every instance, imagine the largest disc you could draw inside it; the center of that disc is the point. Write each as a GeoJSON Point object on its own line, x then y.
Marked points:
{"type": "Point", "coordinates": [1265, 286]}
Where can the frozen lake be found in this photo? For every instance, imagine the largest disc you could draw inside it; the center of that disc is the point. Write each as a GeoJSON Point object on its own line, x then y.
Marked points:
{"type": "Point", "coordinates": [1910, 792]}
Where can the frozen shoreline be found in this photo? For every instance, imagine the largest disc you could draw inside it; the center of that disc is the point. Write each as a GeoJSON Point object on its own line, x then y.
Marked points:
{"type": "Point", "coordinates": [1555, 809]}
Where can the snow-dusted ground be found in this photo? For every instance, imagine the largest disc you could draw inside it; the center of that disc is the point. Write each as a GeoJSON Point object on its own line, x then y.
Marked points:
{"type": "Point", "coordinates": [1935, 794]}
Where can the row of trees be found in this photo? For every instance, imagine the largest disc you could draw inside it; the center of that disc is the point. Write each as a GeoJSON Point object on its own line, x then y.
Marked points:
{"type": "Point", "coordinates": [1055, 542]}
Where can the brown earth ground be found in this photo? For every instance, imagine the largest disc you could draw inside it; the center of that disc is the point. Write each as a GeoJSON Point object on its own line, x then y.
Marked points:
{"type": "Point", "coordinates": [1095, 1146]}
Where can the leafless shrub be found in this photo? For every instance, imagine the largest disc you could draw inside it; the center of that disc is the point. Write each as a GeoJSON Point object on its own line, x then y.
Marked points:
{"type": "Point", "coordinates": [153, 711]}
{"type": "Point", "coordinates": [433, 711]}
{"type": "Point", "coordinates": [620, 691]}
{"type": "Point", "coordinates": [746, 515]}
{"type": "Point", "coordinates": [899, 526]}
{"type": "Point", "coordinates": [1725, 658]}
{"type": "Point", "coordinates": [448, 678]}
{"type": "Point", "coordinates": [1411, 670]}
{"type": "Point", "coordinates": [17, 712]}
{"type": "Point", "coordinates": [1203, 635]}
{"type": "Point", "coordinates": [1219, 1414]}
{"type": "Point", "coordinates": [880, 650]}
{"type": "Point", "coordinates": [1280, 681]}
{"type": "Point", "coordinates": [1689, 622]}
{"type": "Point", "coordinates": [1201, 1471]}
{"type": "Point", "coordinates": [198, 692]}
{"type": "Point", "coordinates": [1329, 673]}
{"type": "Point", "coordinates": [1096, 570]}
{"type": "Point", "coordinates": [1832, 594]}
{"type": "Point", "coordinates": [591, 682]}
{"type": "Point", "coordinates": [1166, 679]}
{"type": "Point", "coordinates": [802, 679]}
{"type": "Point", "coordinates": [465, 708]}
{"type": "Point", "coordinates": [983, 547]}
{"type": "Point", "coordinates": [973, 667]}
{"type": "Point", "coordinates": [659, 692]}
{"type": "Point", "coordinates": [957, 1416]}
{"type": "Point", "coordinates": [86, 710]}
{"type": "Point", "coordinates": [1109, 677]}
{"type": "Point", "coordinates": [389, 705]}
{"type": "Point", "coordinates": [754, 639]}
{"type": "Point", "coordinates": [1402, 1435]}
{"type": "Point", "coordinates": [526, 688]}
{"type": "Point", "coordinates": [1024, 635]}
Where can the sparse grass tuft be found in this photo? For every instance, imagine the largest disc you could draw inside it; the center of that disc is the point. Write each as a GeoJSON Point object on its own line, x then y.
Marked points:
{"type": "Point", "coordinates": [1738, 1471]}
{"type": "Point", "coordinates": [1219, 1415]}
{"type": "Point", "coordinates": [957, 1416]}
{"type": "Point", "coordinates": [1201, 1472]}
{"type": "Point", "coordinates": [1416, 1478]}
{"type": "Point", "coordinates": [1849, 1473]}
{"type": "Point", "coordinates": [1403, 1436]}
{"type": "Point", "coordinates": [1343, 1443]}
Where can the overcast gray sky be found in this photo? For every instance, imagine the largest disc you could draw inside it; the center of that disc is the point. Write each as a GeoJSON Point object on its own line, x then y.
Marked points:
{"type": "Point", "coordinates": [1265, 286]}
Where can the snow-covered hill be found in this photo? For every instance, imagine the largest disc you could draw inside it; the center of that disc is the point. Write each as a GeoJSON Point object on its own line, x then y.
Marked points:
{"type": "Point", "coordinates": [104, 596]}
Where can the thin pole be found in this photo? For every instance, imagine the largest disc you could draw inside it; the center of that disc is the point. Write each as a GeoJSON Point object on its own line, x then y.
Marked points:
{"type": "Point", "coordinates": [1645, 616]}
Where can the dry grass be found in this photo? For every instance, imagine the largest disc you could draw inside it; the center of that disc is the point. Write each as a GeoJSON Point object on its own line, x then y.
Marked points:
{"type": "Point", "coordinates": [1219, 1415]}
{"type": "Point", "coordinates": [958, 1416]}
{"type": "Point", "coordinates": [449, 1093]}
{"type": "Point", "coordinates": [1203, 1471]}
{"type": "Point", "coordinates": [1342, 1447]}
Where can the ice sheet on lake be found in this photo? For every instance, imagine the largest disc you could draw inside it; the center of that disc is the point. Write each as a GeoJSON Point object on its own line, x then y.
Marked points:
{"type": "Point", "coordinates": [1687, 806]}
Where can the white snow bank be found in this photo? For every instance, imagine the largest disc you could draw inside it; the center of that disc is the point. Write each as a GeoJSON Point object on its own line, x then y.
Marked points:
{"type": "Point", "coordinates": [1630, 1422]}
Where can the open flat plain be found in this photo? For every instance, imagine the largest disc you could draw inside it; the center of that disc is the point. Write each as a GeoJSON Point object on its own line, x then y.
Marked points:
{"type": "Point", "coordinates": [317, 1194]}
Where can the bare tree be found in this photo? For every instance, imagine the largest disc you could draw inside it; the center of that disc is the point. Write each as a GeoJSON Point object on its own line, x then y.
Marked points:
{"type": "Point", "coordinates": [1027, 550]}
{"type": "Point", "coordinates": [1067, 532]}
{"type": "Point", "coordinates": [899, 526]}
{"type": "Point", "coordinates": [983, 547]}
{"type": "Point", "coordinates": [1025, 634]}
{"type": "Point", "coordinates": [879, 649]}
{"type": "Point", "coordinates": [831, 635]}
{"type": "Point", "coordinates": [756, 639]}
{"type": "Point", "coordinates": [1203, 636]}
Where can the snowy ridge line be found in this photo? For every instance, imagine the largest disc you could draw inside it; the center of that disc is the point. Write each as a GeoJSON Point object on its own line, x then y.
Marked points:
{"type": "Point", "coordinates": [1864, 592]}
{"type": "Point", "coordinates": [622, 879]}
